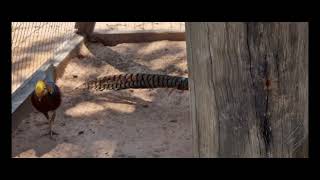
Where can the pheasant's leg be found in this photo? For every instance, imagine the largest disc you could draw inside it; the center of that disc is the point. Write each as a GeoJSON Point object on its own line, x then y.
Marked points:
{"type": "Point", "coordinates": [50, 127]}
{"type": "Point", "coordinates": [51, 124]}
{"type": "Point", "coordinates": [51, 120]}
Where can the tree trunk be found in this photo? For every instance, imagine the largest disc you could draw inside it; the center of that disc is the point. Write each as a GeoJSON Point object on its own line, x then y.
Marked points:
{"type": "Point", "coordinates": [248, 89]}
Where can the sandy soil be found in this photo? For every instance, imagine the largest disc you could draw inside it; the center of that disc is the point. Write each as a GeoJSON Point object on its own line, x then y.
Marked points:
{"type": "Point", "coordinates": [127, 123]}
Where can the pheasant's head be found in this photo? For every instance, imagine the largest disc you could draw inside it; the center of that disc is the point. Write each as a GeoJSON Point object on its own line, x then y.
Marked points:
{"type": "Point", "coordinates": [41, 89]}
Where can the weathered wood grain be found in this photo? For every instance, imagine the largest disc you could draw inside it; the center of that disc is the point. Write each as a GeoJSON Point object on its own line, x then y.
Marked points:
{"type": "Point", "coordinates": [249, 89]}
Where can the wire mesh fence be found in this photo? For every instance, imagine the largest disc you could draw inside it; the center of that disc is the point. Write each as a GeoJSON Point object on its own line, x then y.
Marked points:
{"type": "Point", "coordinates": [33, 43]}
{"type": "Point", "coordinates": [169, 26]}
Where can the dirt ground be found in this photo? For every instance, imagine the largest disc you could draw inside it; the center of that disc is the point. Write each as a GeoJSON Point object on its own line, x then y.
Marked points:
{"type": "Point", "coordinates": [141, 123]}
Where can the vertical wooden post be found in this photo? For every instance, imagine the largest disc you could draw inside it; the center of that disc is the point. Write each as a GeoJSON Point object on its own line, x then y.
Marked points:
{"type": "Point", "coordinates": [249, 89]}
{"type": "Point", "coordinates": [85, 28]}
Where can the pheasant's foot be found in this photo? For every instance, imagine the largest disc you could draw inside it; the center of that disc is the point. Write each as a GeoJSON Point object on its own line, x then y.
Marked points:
{"type": "Point", "coordinates": [51, 133]}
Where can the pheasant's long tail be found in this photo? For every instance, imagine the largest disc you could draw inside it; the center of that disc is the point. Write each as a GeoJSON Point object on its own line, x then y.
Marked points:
{"type": "Point", "coordinates": [136, 81]}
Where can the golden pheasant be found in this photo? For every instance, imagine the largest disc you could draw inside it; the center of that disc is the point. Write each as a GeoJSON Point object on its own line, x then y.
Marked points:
{"type": "Point", "coordinates": [46, 98]}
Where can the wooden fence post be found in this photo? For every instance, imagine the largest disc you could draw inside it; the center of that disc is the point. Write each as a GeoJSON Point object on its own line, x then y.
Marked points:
{"type": "Point", "coordinates": [248, 89]}
{"type": "Point", "coordinates": [85, 28]}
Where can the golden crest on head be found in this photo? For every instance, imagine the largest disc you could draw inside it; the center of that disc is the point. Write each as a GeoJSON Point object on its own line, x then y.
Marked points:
{"type": "Point", "coordinates": [40, 88]}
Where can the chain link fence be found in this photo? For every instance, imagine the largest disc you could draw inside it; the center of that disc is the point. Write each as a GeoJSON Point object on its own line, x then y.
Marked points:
{"type": "Point", "coordinates": [33, 43]}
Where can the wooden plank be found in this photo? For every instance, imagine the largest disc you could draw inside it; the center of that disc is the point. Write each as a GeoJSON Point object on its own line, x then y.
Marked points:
{"type": "Point", "coordinates": [235, 113]}
{"type": "Point", "coordinates": [117, 37]}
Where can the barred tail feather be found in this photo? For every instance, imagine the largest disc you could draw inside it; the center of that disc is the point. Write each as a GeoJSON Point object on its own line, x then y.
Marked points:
{"type": "Point", "coordinates": [137, 81]}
